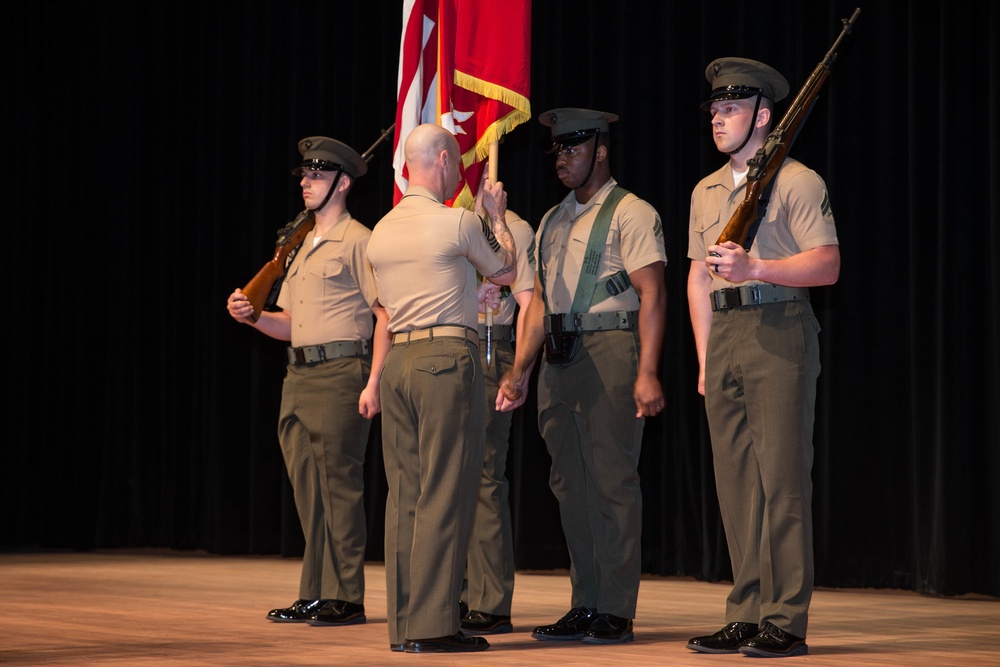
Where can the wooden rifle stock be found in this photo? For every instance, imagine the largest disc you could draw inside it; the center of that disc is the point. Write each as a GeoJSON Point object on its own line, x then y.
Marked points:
{"type": "Point", "coordinates": [290, 237]}
{"type": "Point", "coordinates": [766, 163]}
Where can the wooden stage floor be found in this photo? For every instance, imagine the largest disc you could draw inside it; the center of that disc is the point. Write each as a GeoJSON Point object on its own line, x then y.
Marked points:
{"type": "Point", "coordinates": [160, 608]}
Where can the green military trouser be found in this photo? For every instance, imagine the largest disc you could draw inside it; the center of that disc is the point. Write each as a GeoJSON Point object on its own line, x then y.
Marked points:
{"type": "Point", "coordinates": [323, 441]}
{"type": "Point", "coordinates": [432, 443]}
{"type": "Point", "coordinates": [586, 414]}
{"type": "Point", "coordinates": [490, 572]}
{"type": "Point", "coordinates": [760, 395]}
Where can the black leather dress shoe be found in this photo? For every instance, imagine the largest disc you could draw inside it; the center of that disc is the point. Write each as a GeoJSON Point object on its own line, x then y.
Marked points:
{"type": "Point", "coordinates": [726, 640]}
{"type": "Point", "coordinates": [300, 611]}
{"type": "Point", "coordinates": [773, 642]}
{"type": "Point", "coordinates": [456, 643]}
{"type": "Point", "coordinates": [481, 623]}
{"type": "Point", "coordinates": [569, 627]}
{"type": "Point", "coordinates": [609, 629]}
{"type": "Point", "coordinates": [463, 609]}
{"type": "Point", "coordinates": [396, 648]}
{"type": "Point", "coordinates": [338, 612]}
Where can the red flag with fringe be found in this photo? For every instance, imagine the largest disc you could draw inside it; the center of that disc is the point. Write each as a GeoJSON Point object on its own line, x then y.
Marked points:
{"type": "Point", "coordinates": [464, 65]}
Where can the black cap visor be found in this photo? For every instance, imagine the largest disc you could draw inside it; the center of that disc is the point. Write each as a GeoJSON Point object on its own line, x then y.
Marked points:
{"type": "Point", "coordinates": [730, 93]}
{"type": "Point", "coordinates": [570, 139]}
{"type": "Point", "coordinates": [316, 165]}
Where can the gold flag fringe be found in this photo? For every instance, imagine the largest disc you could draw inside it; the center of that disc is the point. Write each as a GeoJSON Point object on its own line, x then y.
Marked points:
{"type": "Point", "coordinates": [521, 112]}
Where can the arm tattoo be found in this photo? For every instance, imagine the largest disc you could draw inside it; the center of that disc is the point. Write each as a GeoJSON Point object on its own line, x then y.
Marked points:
{"type": "Point", "coordinates": [488, 233]}
{"type": "Point", "coordinates": [502, 238]}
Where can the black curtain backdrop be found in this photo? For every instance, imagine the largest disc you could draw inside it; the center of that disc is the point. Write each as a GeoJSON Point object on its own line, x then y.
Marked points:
{"type": "Point", "coordinates": [146, 158]}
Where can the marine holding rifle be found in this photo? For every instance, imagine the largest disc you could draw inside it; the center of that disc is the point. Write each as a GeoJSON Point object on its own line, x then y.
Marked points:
{"type": "Point", "coordinates": [598, 306]}
{"type": "Point", "coordinates": [757, 343]}
{"type": "Point", "coordinates": [330, 392]}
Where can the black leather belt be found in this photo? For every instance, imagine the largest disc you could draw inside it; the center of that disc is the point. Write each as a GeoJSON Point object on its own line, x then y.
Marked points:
{"type": "Point", "coordinates": [313, 354]}
{"type": "Point", "coordinates": [565, 322]}
{"type": "Point", "coordinates": [500, 331]}
{"type": "Point", "coordinates": [755, 295]}
{"type": "Point", "coordinates": [443, 331]}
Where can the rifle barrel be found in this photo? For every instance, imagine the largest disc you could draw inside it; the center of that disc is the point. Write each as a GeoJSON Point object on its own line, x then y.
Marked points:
{"type": "Point", "coordinates": [848, 26]}
{"type": "Point", "coordinates": [367, 155]}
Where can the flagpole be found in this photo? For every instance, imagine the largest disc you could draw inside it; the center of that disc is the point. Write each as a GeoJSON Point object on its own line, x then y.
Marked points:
{"type": "Point", "coordinates": [493, 168]}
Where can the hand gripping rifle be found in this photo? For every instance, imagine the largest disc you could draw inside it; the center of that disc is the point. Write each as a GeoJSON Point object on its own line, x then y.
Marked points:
{"type": "Point", "coordinates": [766, 163]}
{"type": "Point", "coordinates": [263, 288]}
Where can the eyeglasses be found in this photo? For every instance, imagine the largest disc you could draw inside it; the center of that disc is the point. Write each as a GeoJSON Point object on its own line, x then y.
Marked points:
{"type": "Point", "coordinates": [569, 151]}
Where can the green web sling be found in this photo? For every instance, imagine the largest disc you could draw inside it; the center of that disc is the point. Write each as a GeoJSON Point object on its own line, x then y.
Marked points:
{"type": "Point", "coordinates": [561, 345]}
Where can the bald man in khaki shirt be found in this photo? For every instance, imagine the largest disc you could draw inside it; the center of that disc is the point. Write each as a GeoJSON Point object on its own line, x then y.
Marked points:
{"type": "Point", "coordinates": [425, 256]}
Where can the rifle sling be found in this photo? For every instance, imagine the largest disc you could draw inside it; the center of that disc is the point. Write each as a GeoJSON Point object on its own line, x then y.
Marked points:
{"type": "Point", "coordinates": [762, 202]}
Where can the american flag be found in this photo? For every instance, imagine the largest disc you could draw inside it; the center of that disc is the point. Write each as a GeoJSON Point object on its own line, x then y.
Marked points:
{"type": "Point", "coordinates": [464, 65]}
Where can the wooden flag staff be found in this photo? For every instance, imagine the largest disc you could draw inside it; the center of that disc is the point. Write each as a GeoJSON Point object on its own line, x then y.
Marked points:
{"type": "Point", "coordinates": [494, 158]}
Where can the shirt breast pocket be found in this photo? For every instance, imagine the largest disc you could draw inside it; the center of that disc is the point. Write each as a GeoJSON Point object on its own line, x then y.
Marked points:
{"type": "Point", "coordinates": [771, 214]}
{"type": "Point", "coordinates": [293, 271]}
{"type": "Point", "coordinates": [547, 254]}
{"type": "Point", "coordinates": [581, 243]}
{"type": "Point", "coordinates": [333, 275]}
{"type": "Point", "coordinates": [707, 224]}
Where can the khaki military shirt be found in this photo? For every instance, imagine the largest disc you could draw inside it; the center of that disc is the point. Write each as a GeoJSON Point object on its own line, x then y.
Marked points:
{"type": "Point", "coordinates": [425, 256]}
{"type": "Point", "coordinates": [329, 288]}
{"type": "Point", "coordinates": [798, 216]}
{"type": "Point", "coordinates": [634, 240]}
